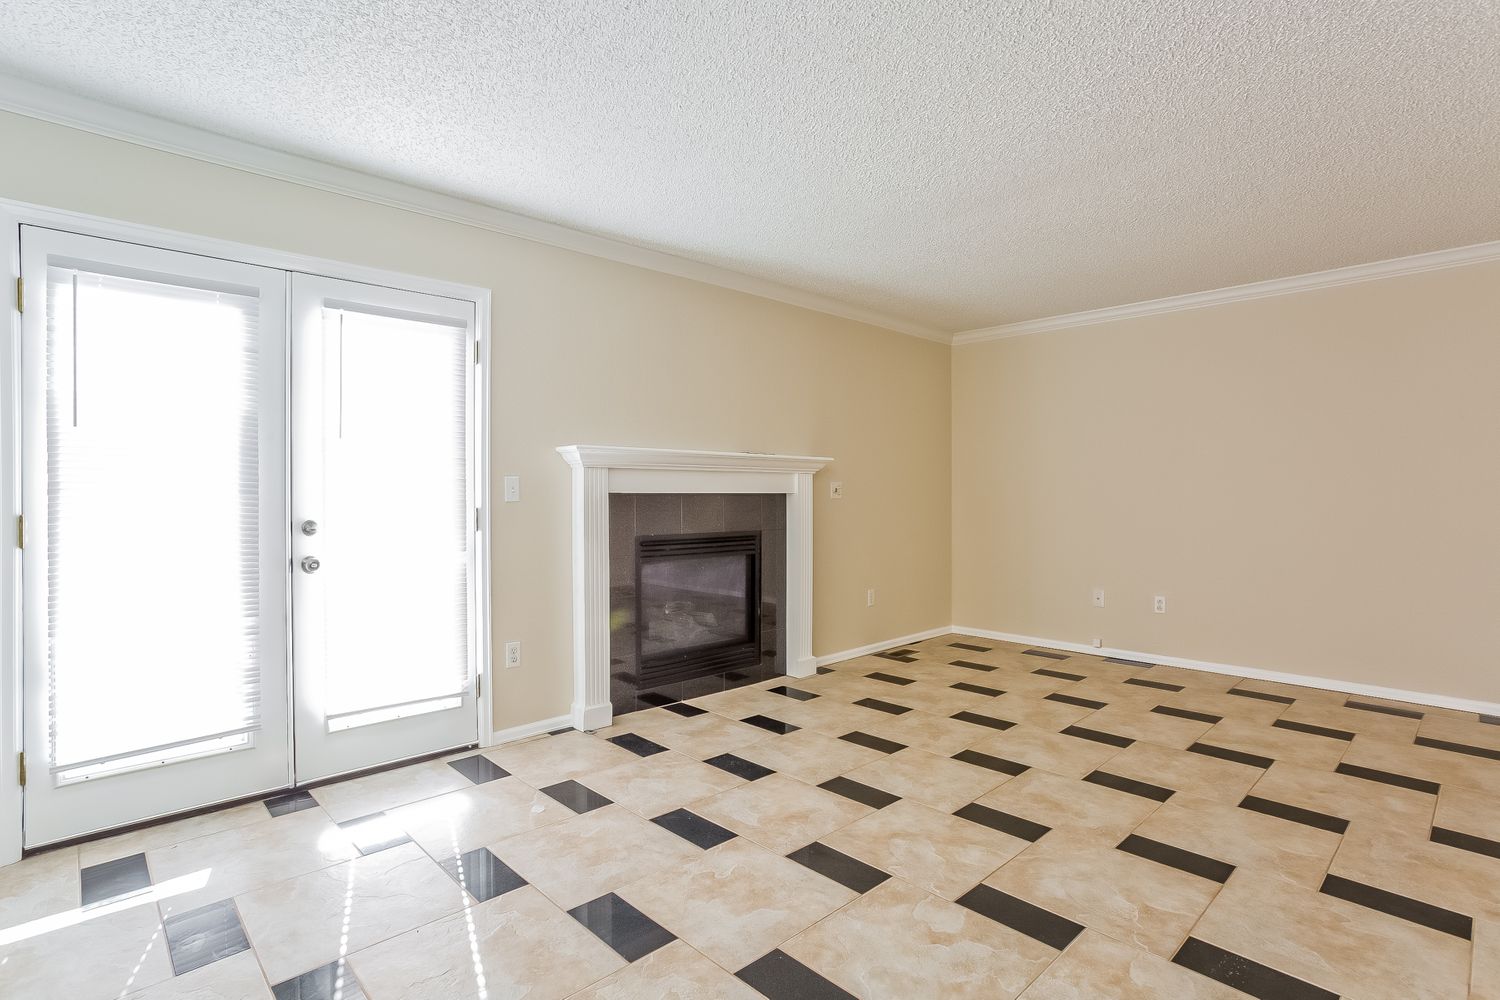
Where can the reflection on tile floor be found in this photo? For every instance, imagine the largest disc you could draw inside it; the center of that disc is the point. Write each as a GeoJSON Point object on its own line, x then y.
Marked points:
{"type": "Point", "coordinates": [956, 817]}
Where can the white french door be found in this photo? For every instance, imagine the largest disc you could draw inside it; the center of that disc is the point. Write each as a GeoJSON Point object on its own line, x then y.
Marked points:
{"type": "Point", "coordinates": [382, 498]}
{"type": "Point", "coordinates": [228, 585]}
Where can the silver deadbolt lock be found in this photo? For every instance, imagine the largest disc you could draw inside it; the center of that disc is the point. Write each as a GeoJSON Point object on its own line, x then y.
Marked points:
{"type": "Point", "coordinates": [310, 564]}
{"type": "Point", "coordinates": [309, 527]}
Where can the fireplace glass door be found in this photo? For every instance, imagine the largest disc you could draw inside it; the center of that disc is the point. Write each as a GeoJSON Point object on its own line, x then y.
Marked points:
{"type": "Point", "coordinates": [698, 604]}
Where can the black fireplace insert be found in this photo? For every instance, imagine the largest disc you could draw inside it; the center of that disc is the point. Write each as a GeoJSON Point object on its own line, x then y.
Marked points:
{"type": "Point", "coordinates": [697, 604]}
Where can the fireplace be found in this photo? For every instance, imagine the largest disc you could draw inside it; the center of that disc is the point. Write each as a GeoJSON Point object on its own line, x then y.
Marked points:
{"type": "Point", "coordinates": [697, 605]}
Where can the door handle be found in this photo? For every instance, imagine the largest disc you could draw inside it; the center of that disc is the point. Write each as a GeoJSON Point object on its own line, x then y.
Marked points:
{"type": "Point", "coordinates": [310, 564]}
{"type": "Point", "coordinates": [309, 527]}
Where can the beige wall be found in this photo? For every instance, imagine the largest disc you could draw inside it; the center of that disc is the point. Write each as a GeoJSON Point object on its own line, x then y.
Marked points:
{"type": "Point", "coordinates": [1312, 480]}
{"type": "Point", "coordinates": [595, 352]}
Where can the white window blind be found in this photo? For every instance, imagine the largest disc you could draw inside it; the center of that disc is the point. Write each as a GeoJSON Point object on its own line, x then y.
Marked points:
{"type": "Point", "coordinates": [153, 497]}
{"type": "Point", "coordinates": [397, 516]}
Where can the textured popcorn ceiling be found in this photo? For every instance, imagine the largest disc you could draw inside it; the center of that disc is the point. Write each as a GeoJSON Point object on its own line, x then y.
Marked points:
{"type": "Point", "coordinates": [957, 164]}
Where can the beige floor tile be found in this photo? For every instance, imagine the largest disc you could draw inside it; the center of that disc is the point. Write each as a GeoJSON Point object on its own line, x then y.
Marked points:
{"type": "Point", "coordinates": [737, 901]}
{"type": "Point", "coordinates": [306, 922]}
{"type": "Point", "coordinates": [674, 972]}
{"type": "Point", "coordinates": [736, 703]}
{"type": "Point", "coordinates": [943, 854]}
{"type": "Point", "coordinates": [1347, 797]}
{"type": "Point", "coordinates": [1035, 710]}
{"type": "Point", "coordinates": [1341, 946]}
{"type": "Point", "coordinates": [1079, 874]}
{"type": "Point", "coordinates": [809, 755]}
{"type": "Point", "coordinates": [235, 861]}
{"type": "Point", "coordinates": [1185, 773]}
{"type": "Point", "coordinates": [94, 954]}
{"type": "Point", "coordinates": [937, 699]}
{"type": "Point", "coordinates": [1095, 966]}
{"type": "Point", "coordinates": [1262, 739]}
{"type": "Point", "coordinates": [478, 815]}
{"type": "Point", "coordinates": [933, 733]}
{"type": "Point", "coordinates": [650, 786]}
{"type": "Point", "coordinates": [1243, 838]}
{"type": "Point", "coordinates": [39, 886]}
{"type": "Point", "coordinates": [779, 813]}
{"type": "Point", "coordinates": [1302, 694]}
{"type": "Point", "coordinates": [933, 780]}
{"type": "Point", "coordinates": [705, 736]}
{"type": "Point", "coordinates": [1431, 764]}
{"type": "Point", "coordinates": [1484, 979]}
{"type": "Point", "coordinates": [1466, 811]}
{"type": "Point", "coordinates": [1068, 756]}
{"type": "Point", "coordinates": [1140, 723]}
{"type": "Point", "coordinates": [1448, 877]}
{"type": "Point", "coordinates": [1428, 711]}
{"type": "Point", "coordinates": [1115, 693]}
{"type": "Point", "coordinates": [515, 945]}
{"type": "Point", "coordinates": [1467, 732]}
{"type": "Point", "coordinates": [644, 723]}
{"type": "Point", "coordinates": [377, 792]}
{"type": "Point", "coordinates": [1224, 704]}
{"type": "Point", "coordinates": [829, 716]}
{"type": "Point", "coordinates": [547, 761]}
{"type": "Point", "coordinates": [592, 854]}
{"type": "Point", "coordinates": [1054, 801]}
{"type": "Point", "coordinates": [1021, 682]}
{"type": "Point", "coordinates": [898, 941]}
{"type": "Point", "coordinates": [166, 834]}
{"type": "Point", "coordinates": [1193, 680]}
{"type": "Point", "coordinates": [1351, 720]}
{"type": "Point", "coordinates": [851, 685]}
{"type": "Point", "coordinates": [237, 977]}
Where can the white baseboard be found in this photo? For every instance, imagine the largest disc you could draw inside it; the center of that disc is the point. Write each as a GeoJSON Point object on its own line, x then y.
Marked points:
{"type": "Point", "coordinates": [1300, 680]}
{"type": "Point", "coordinates": [514, 733]}
{"type": "Point", "coordinates": [875, 647]}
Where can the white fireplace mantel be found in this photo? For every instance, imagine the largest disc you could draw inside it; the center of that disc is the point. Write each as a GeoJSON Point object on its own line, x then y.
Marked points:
{"type": "Point", "coordinates": [599, 471]}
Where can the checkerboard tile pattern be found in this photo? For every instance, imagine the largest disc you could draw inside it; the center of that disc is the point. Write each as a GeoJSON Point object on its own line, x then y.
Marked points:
{"type": "Point", "coordinates": [956, 817]}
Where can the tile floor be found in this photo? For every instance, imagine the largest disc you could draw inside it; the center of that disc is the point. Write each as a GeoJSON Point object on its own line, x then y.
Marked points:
{"type": "Point", "coordinates": [957, 818]}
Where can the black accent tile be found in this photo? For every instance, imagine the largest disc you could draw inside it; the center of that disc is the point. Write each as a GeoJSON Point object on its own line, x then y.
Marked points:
{"type": "Point", "coordinates": [1044, 653]}
{"type": "Point", "coordinates": [1068, 699]}
{"type": "Point", "coordinates": [971, 647]}
{"type": "Point", "coordinates": [825, 670]}
{"type": "Point", "coordinates": [976, 689]}
{"type": "Point", "coordinates": [1058, 673]}
{"type": "Point", "coordinates": [482, 874]}
{"type": "Point", "coordinates": [1365, 706]}
{"type": "Point", "coordinates": [1108, 739]}
{"type": "Point", "coordinates": [1176, 857]}
{"type": "Point", "coordinates": [559, 732]}
{"type": "Point", "coordinates": [1182, 713]}
{"type": "Point", "coordinates": [1159, 685]}
{"type": "Point", "coordinates": [637, 744]}
{"type": "Point", "coordinates": [373, 833]}
{"type": "Point", "coordinates": [875, 798]}
{"type": "Point", "coordinates": [846, 871]}
{"type": "Point", "coordinates": [479, 769]}
{"type": "Point", "coordinates": [1242, 974]}
{"type": "Point", "coordinates": [1489, 720]}
{"type": "Point", "coordinates": [770, 725]}
{"type": "Point", "coordinates": [579, 798]}
{"type": "Point", "coordinates": [114, 879]}
{"type": "Point", "coordinates": [1418, 912]}
{"type": "Point", "coordinates": [694, 828]}
{"type": "Point", "coordinates": [1389, 778]}
{"type": "Point", "coordinates": [631, 933]}
{"type": "Point", "coordinates": [1144, 789]}
{"type": "Point", "coordinates": [873, 742]}
{"type": "Point", "coordinates": [974, 718]}
{"type": "Point", "coordinates": [1466, 842]}
{"type": "Point", "coordinates": [1238, 756]}
{"type": "Point", "coordinates": [290, 802]}
{"type": "Point", "coordinates": [739, 767]}
{"type": "Point", "coordinates": [1311, 730]}
{"type": "Point", "coordinates": [890, 678]}
{"type": "Point", "coordinates": [203, 936]}
{"type": "Point", "coordinates": [1295, 814]}
{"type": "Point", "coordinates": [657, 699]}
{"type": "Point", "coordinates": [1464, 748]}
{"type": "Point", "coordinates": [970, 664]}
{"type": "Point", "coordinates": [992, 763]}
{"type": "Point", "coordinates": [883, 706]}
{"type": "Point", "coordinates": [1016, 826]}
{"type": "Point", "coordinates": [1019, 915]}
{"type": "Point", "coordinates": [686, 711]}
{"type": "Point", "coordinates": [898, 657]}
{"type": "Point", "coordinates": [779, 976]}
{"type": "Point", "coordinates": [796, 694]}
{"type": "Point", "coordinates": [328, 983]}
{"type": "Point", "coordinates": [1279, 699]}
{"type": "Point", "coordinates": [1128, 663]}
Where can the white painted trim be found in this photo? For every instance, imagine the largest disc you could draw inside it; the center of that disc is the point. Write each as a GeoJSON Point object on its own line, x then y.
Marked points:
{"type": "Point", "coordinates": [521, 732]}
{"type": "Point", "coordinates": [10, 555]}
{"type": "Point", "coordinates": [1415, 264]}
{"type": "Point", "coordinates": [599, 470]}
{"type": "Point", "coordinates": [23, 97]}
{"type": "Point", "coordinates": [1254, 673]}
{"type": "Point", "coordinates": [876, 647]}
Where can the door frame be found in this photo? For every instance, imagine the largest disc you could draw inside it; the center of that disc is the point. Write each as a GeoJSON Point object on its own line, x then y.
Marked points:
{"type": "Point", "coordinates": [15, 214]}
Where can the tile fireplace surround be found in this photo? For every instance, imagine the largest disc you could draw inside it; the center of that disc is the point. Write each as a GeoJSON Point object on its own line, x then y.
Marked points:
{"type": "Point", "coordinates": [601, 470]}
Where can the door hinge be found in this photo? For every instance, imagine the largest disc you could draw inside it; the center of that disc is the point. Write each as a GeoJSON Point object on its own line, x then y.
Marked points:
{"type": "Point", "coordinates": [21, 769]}
{"type": "Point", "coordinates": [478, 527]}
{"type": "Point", "coordinates": [478, 685]}
{"type": "Point", "coordinates": [20, 294]}
{"type": "Point", "coordinates": [476, 350]}
{"type": "Point", "coordinates": [20, 531]}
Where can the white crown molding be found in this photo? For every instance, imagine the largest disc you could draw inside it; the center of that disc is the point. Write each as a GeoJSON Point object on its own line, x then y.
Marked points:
{"type": "Point", "coordinates": [33, 100]}
{"type": "Point", "coordinates": [1435, 260]}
